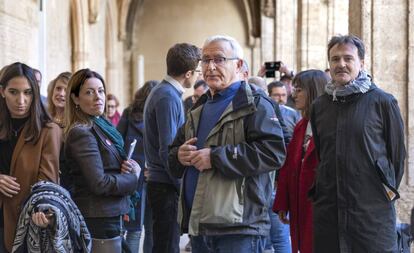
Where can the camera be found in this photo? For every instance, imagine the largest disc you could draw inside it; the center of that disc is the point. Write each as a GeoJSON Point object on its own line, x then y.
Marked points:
{"type": "Point", "coordinates": [271, 67]}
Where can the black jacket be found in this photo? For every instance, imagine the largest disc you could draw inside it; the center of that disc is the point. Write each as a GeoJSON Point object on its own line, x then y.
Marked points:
{"type": "Point", "coordinates": [98, 187]}
{"type": "Point", "coordinates": [360, 142]}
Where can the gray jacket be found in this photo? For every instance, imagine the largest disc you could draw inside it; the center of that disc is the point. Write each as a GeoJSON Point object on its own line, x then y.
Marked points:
{"type": "Point", "coordinates": [246, 146]}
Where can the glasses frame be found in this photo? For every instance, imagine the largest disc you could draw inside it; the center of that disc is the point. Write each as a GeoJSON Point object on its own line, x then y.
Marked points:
{"type": "Point", "coordinates": [218, 61]}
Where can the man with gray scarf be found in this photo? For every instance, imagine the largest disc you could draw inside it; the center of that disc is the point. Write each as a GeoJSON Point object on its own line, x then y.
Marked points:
{"type": "Point", "coordinates": [359, 136]}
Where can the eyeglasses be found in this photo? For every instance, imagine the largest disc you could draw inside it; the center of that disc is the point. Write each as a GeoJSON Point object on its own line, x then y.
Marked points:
{"type": "Point", "coordinates": [218, 61]}
{"type": "Point", "coordinates": [198, 71]}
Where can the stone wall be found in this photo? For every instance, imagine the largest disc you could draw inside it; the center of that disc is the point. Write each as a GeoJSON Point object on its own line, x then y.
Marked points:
{"type": "Point", "coordinates": [58, 38]}
{"type": "Point", "coordinates": [178, 21]}
{"type": "Point", "coordinates": [19, 40]}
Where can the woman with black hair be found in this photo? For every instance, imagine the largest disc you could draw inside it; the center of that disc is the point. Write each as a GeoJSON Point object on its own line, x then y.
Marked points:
{"type": "Point", "coordinates": [297, 174]}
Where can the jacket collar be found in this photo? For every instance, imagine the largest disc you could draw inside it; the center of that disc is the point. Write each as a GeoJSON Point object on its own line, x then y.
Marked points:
{"type": "Point", "coordinates": [243, 97]}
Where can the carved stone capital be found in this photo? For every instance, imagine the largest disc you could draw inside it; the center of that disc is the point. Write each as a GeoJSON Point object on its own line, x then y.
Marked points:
{"type": "Point", "coordinates": [93, 9]}
{"type": "Point", "coordinates": [269, 8]}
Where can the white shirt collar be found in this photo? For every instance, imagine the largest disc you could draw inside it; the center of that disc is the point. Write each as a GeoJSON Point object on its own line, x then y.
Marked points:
{"type": "Point", "coordinates": [175, 83]}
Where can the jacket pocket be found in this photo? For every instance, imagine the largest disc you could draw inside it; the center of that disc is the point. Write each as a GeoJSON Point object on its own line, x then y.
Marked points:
{"type": "Point", "coordinates": [386, 173]}
{"type": "Point", "coordinates": [223, 203]}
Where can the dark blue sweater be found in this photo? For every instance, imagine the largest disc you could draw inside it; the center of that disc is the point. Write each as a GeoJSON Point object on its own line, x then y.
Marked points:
{"type": "Point", "coordinates": [163, 116]}
{"type": "Point", "coordinates": [211, 113]}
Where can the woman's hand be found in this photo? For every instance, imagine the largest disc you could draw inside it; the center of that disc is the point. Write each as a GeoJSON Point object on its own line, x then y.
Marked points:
{"type": "Point", "coordinates": [131, 166]}
{"type": "Point", "coordinates": [8, 185]}
{"type": "Point", "coordinates": [283, 217]}
{"type": "Point", "coordinates": [42, 220]}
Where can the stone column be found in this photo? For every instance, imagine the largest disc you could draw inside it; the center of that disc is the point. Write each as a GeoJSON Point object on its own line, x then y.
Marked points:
{"type": "Point", "coordinates": [311, 34]}
{"type": "Point", "coordinates": [267, 39]}
{"type": "Point", "coordinates": [387, 31]}
{"type": "Point", "coordinates": [79, 11]}
{"type": "Point", "coordinates": [285, 29]}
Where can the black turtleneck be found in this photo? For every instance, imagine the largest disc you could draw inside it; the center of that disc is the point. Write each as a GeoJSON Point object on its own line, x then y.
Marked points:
{"type": "Point", "coordinates": [7, 146]}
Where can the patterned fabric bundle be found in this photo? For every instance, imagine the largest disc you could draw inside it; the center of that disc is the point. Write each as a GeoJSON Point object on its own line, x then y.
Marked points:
{"type": "Point", "coordinates": [68, 233]}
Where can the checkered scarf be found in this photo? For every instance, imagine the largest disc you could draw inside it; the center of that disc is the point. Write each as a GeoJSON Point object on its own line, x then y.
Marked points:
{"type": "Point", "coordinates": [360, 85]}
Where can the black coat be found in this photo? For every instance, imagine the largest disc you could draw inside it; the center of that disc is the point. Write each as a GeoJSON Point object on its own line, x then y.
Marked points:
{"type": "Point", "coordinates": [131, 129]}
{"type": "Point", "coordinates": [97, 186]}
{"type": "Point", "coordinates": [360, 142]}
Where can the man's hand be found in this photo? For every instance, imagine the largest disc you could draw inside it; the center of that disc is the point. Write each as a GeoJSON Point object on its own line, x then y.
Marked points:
{"type": "Point", "coordinates": [8, 186]}
{"type": "Point", "coordinates": [187, 151]}
{"type": "Point", "coordinates": [284, 69]}
{"type": "Point", "coordinates": [262, 71]}
{"type": "Point", "coordinates": [283, 217]}
{"type": "Point", "coordinates": [201, 159]}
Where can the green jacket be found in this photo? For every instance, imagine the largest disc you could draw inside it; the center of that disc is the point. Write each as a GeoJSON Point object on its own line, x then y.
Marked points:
{"type": "Point", "coordinates": [246, 146]}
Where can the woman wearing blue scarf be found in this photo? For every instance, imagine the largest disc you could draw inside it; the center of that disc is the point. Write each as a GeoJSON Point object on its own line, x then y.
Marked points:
{"type": "Point", "coordinates": [101, 177]}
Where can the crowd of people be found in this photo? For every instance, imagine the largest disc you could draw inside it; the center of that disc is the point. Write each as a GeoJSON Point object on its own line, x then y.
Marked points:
{"type": "Point", "coordinates": [310, 162]}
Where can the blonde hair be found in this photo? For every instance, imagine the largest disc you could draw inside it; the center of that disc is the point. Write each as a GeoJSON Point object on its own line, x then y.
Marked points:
{"type": "Point", "coordinates": [64, 77]}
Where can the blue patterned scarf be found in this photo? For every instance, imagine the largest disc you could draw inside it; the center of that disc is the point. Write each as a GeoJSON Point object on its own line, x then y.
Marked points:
{"type": "Point", "coordinates": [360, 85]}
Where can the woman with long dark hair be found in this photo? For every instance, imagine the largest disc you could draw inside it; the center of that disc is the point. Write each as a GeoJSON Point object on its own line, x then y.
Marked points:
{"type": "Point", "coordinates": [297, 174]}
{"type": "Point", "coordinates": [29, 142]}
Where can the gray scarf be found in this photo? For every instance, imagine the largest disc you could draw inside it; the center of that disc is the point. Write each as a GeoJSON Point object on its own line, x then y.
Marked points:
{"type": "Point", "coordinates": [360, 85]}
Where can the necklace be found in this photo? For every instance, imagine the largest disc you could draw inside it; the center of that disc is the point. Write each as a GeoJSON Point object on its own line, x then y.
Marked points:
{"type": "Point", "coordinates": [16, 131]}
{"type": "Point", "coordinates": [58, 120]}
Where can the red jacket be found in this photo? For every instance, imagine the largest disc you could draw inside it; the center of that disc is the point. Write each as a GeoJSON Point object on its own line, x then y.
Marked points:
{"type": "Point", "coordinates": [295, 179]}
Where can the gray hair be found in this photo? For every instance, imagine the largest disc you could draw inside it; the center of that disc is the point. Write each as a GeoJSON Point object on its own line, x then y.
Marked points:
{"type": "Point", "coordinates": [235, 46]}
{"type": "Point", "coordinates": [259, 82]}
{"type": "Point", "coordinates": [245, 66]}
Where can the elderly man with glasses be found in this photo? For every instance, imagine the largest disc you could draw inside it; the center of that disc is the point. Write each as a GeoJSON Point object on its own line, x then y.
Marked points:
{"type": "Point", "coordinates": [225, 152]}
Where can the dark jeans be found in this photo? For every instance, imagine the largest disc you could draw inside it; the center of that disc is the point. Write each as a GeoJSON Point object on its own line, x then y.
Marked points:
{"type": "Point", "coordinates": [235, 243]}
{"type": "Point", "coordinates": [147, 222]}
{"type": "Point", "coordinates": [106, 228]}
{"type": "Point", "coordinates": [163, 200]}
{"type": "Point", "coordinates": [199, 244]}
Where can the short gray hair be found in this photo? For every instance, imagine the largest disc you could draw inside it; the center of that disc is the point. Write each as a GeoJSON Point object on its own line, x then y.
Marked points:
{"type": "Point", "coordinates": [235, 46]}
